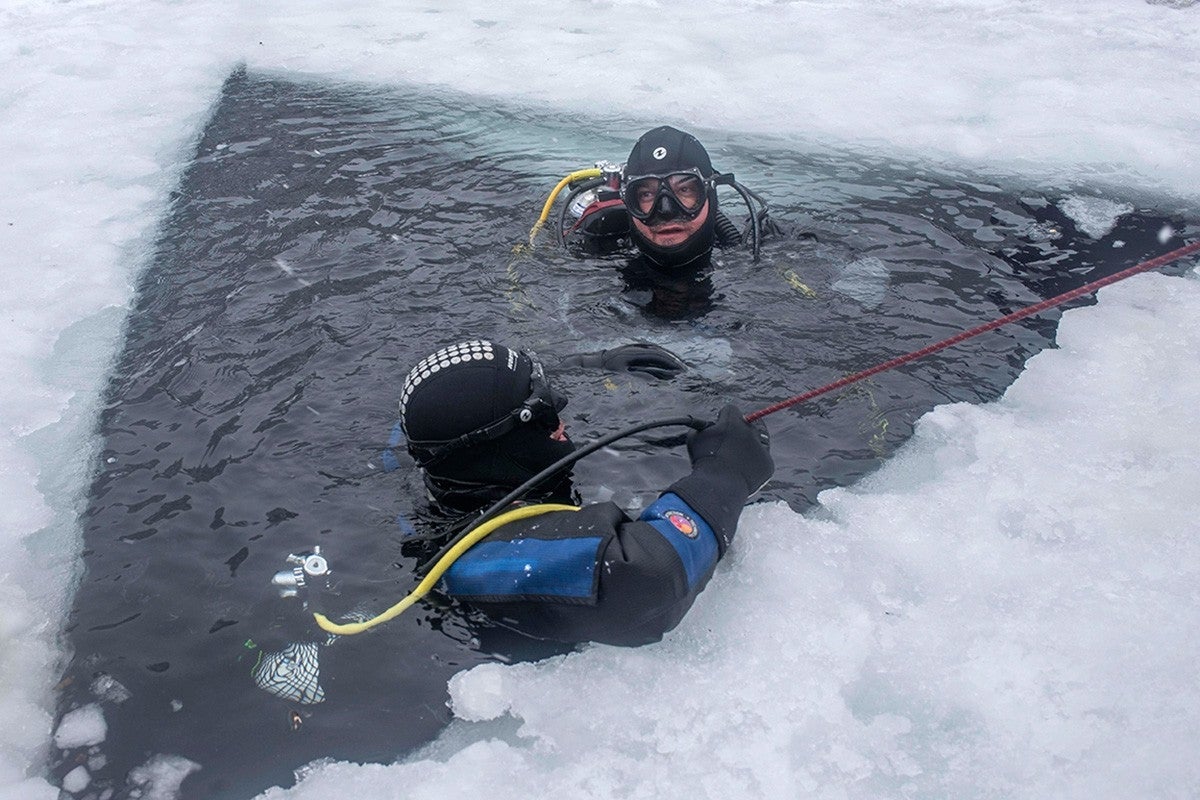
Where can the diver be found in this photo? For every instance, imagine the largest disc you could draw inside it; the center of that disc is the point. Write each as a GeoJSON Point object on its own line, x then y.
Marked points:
{"type": "Point", "coordinates": [466, 394]}
{"type": "Point", "coordinates": [481, 419]}
{"type": "Point", "coordinates": [663, 199]}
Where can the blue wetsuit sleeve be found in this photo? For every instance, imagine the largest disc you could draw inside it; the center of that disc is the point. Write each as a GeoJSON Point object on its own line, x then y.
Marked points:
{"type": "Point", "coordinates": [688, 534]}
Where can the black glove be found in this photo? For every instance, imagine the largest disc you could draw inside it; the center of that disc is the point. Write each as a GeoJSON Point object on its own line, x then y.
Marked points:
{"type": "Point", "coordinates": [649, 359]}
{"type": "Point", "coordinates": [731, 460]}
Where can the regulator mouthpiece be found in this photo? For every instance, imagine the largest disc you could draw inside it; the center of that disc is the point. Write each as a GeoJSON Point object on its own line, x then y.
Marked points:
{"type": "Point", "coordinates": [309, 569]}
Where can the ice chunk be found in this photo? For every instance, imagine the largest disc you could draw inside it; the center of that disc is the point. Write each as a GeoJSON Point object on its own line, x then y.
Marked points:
{"type": "Point", "coordinates": [865, 280]}
{"type": "Point", "coordinates": [83, 727]}
{"type": "Point", "coordinates": [480, 694]}
{"type": "Point", "coordinates": [106, 687]}
{"type": "Point", "coordinates": [1095, 216]}
{"type": "Point", "coordinates": [76, 780]}
{"type": "Point", "coordinates": [161, 776]}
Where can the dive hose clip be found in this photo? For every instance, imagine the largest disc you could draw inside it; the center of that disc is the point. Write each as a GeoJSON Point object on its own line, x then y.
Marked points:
{"type": "Point", "coordinates": [309, 571]}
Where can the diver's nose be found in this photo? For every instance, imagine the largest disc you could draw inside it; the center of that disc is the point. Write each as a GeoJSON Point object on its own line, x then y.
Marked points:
{"type": "Point", "coordinates": [667, 208]}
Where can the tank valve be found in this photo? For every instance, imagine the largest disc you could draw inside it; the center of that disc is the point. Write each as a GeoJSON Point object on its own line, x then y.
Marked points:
{"type": "Point", "coordinates": [308, 569]}
{"type": "Point", "coordinates": [610, 171]}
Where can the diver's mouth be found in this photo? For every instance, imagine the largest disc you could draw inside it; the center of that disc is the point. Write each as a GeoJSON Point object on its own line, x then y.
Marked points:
{"type": "Point", "coordinates": [669, 227]}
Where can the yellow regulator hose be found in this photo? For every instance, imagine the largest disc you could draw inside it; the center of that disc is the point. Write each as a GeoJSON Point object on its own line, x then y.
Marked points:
{"type": "Point", "coordinates": [582, 174]}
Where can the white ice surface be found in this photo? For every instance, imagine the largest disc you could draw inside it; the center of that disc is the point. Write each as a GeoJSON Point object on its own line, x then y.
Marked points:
{"type": "Point", "coordinates": [1034, 619]}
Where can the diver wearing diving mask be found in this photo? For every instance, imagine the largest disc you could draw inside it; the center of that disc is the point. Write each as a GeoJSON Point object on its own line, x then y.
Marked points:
{"type": "Point", "coordinates": [664, 198]}
{"type": "Point", "coordinates": [669, 193]}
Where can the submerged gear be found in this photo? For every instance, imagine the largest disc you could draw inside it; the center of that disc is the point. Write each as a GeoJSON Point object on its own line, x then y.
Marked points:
{"type": "Point", "coordinates": [478, 418]}
{"type": "Point", "coordinates": [293, 673]}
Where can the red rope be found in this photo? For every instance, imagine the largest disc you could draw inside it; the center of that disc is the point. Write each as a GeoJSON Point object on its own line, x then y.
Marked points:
{"type": "Point", "coordinates": [1036, 308]}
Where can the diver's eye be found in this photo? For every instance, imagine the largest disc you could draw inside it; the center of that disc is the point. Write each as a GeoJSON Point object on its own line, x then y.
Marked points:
{"type": "Point", "coordinates": [644, 193]}
{"type": "Point", "coordinates": [688, 190]}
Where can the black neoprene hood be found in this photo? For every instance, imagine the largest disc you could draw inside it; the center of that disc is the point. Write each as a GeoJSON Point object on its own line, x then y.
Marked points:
{"type": "Point", "coordinates": [467, 387]}
{"type": "Point", "coordinates": [664, 150]}
{"type": "Point", "coordinates": [462, 388]}
{"type": "Point", "coordinates": [660, 152]}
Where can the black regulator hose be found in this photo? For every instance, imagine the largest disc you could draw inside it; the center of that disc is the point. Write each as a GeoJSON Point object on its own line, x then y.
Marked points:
{"type": "Point", "coordinates": [755, 232]}
{"type": "Point", "coordinates": [558, 466]}
{"type": "Point", "coordinates": [727, 231]}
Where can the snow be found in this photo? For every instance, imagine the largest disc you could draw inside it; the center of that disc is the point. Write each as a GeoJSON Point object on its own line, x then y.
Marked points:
{"type": "Point", "coordinates": [160, 777]}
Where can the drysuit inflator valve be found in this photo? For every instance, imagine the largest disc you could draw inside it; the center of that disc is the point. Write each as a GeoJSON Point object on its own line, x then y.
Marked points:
{"type": "Point", "coordinates": [308, 570]}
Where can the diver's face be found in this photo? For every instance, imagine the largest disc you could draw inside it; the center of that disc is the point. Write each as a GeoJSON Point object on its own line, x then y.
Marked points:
{"type": "Point", "coordinates": [672, 232]}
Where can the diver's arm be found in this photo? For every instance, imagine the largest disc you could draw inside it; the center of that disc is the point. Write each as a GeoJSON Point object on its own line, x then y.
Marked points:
{"type": "Point", "coordinates": [731, 460]}
{"type": "Point", "coordinates": [642, 357]}
{"type": "Point", "coordinates": [653, 568]}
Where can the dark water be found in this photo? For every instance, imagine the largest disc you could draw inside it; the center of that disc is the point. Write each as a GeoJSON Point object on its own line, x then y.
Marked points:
{"type": "Point", "coordinates": [325, 239]}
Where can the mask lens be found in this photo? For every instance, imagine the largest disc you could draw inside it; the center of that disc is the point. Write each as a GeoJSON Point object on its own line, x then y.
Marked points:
{"type": "Point", "coordinates": [558, 400]}
{"type": "Point", "coordinates": [641, 195]}
{"type": "Point", "coordinates": [688, 191]}
{"type": "Point", "coordinates": [544, 401]}
{"type": "Point", "coordinates": [655, 195]}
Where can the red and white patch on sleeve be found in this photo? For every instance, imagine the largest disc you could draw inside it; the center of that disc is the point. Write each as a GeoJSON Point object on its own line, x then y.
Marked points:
{"type": "Point", "coordinates": [683, 523]}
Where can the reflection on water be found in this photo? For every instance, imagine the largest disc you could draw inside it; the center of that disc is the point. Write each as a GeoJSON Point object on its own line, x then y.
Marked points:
{"type": "Point", "coordinates": [321, 243]}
